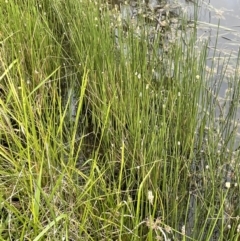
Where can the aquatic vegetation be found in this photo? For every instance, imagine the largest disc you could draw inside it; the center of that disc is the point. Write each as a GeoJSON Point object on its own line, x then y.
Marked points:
{"type": "Point", "coordinates": [112, 127]}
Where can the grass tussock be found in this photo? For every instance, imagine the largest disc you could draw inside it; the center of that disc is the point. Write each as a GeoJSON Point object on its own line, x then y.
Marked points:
{"type": "Point", "coordinates": [105, 136]}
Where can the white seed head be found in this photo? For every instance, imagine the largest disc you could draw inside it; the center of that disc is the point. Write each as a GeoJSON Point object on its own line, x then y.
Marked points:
{"type": "Point", "coordinates": [150, 197]}
{"type": "Point", "coordinates": [227, 184]}
{"type": "Point", "coordinates": [183, 231]}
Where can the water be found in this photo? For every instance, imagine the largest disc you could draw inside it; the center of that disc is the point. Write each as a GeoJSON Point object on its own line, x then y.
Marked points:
{"type": "Point", "coordinates": [220, 22]}
{"type": "Point", "coordinates": [223, 12]}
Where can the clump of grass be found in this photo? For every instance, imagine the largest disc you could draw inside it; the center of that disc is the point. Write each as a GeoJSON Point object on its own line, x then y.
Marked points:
{"type": "Point", "coordinates": [103, 136]}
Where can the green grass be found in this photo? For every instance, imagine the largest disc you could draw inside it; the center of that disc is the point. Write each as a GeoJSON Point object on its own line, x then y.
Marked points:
{"type": "Point", "coordinates": [104, 137]}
